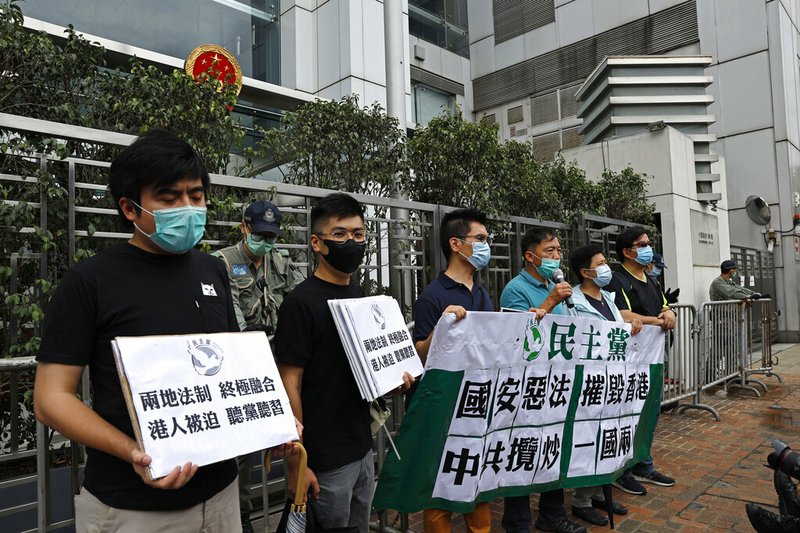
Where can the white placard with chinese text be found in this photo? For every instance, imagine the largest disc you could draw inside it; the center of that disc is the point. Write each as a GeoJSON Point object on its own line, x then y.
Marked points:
{"type": "Point", "coordinates": [203, 398]}
{"type": "Point", "coordinates": [377, 341]}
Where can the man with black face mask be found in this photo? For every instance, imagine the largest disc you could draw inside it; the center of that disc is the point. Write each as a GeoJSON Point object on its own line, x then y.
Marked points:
{"type": "Point", "coordinates": [322, 390]}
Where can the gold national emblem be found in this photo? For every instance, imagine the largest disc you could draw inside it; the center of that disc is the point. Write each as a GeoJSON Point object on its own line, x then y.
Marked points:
{"type": "Point", "coordinates": [217, 62]}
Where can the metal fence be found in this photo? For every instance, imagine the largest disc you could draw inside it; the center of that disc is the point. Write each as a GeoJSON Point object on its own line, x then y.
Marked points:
{"type": "Point", "coordinates": [402, 258]}
{"type": "Point", "coordinates": [680, 372]}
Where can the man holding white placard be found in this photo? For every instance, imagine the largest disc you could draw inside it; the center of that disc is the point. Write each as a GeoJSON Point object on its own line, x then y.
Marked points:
{"type": "Point", "coordinates": [153, 284]}
{"type": "Point", "coordinates": [317, 375]}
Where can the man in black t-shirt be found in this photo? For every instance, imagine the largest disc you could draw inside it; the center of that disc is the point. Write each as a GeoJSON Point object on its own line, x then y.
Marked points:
{"type": "Point", "coordinates": [154, 284]}
{"type": "Point", "coordinates": [317, 375]}
{"type": "Point", "coordinates": [638, 295]}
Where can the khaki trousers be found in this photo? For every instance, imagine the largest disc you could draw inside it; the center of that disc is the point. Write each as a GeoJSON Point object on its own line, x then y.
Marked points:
{"type": "Point", "coordinates": [218, 514]}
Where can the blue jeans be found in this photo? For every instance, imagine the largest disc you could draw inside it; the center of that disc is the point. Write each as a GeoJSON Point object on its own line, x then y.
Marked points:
{"type": "Point", "coordinates": [517, 510]}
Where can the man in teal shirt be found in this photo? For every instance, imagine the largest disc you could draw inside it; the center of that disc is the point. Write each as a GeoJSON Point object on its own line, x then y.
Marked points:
{"type": "Point", "coordinates": [533, 288]}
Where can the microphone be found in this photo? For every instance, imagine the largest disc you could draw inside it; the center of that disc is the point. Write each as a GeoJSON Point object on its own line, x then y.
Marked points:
{"type": "Point", "coordinates": [558, 277]}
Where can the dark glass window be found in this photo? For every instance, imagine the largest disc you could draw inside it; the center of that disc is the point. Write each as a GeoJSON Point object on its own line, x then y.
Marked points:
{"type": "Point", "coordinates": [442, 22]}
{"type": "Point", "coordinates": [249, 29]}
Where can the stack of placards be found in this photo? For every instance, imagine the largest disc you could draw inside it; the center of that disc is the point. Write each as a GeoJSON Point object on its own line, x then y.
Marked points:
{"type": "Point", "coordinates": [202, 398]}
{"type": "Point", "coordinates": [377, 342]}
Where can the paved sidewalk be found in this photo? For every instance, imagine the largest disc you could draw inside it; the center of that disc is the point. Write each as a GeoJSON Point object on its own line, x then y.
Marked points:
{"type": "Point", "coordinates": [718, 465]}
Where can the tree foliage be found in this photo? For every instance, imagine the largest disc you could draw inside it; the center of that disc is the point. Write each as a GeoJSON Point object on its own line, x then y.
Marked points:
{"type": "Point", "coordinates": [67, 81]}
{"type": "Point", "coordinates": [460, 163]}
{"type": "Point", "coordinates": [339, 146]}
{"type": "Point", "coordinates": [455, 162]}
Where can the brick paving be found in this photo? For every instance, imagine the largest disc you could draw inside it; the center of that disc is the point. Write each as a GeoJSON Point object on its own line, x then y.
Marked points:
{"type": "Point", "coordinates": [718, 466]}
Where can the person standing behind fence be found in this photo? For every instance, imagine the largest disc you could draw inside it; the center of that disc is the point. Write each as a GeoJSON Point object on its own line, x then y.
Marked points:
{"type": "Point", "coordinates": [315, 371]}
{"type": "Point", "coordinates": [533, 288]}
{"type": "Point", "coordinates": [638, 295]}
{"type": "Point", "coordinates": [724, 288]}
{"type": "Point", "coordinates": [149, 285]}
{"type": "Point", "coordinates": [465, 243]}
{"type": "Point", "coordinates": [260, 276]}
{"type": "Point", "coordinates": [589, 265]}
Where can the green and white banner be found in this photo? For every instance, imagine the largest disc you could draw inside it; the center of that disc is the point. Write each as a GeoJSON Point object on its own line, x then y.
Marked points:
{"type": "Point", "coordinates": [510, 406]}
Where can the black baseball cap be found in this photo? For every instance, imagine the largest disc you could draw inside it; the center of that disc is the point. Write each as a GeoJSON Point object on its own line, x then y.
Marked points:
{"type": "Point", "coordinates": [728, 264]}
{"type": "Point", "coordinates": [659, 261]}
{"type": "Point", "coordinates": [263, 216]}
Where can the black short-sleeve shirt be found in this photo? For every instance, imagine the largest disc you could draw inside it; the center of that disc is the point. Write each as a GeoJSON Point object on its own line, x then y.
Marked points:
{"type": "Point", "coordinates": [336, 420]}
{"type": "Point", "coordinates": [440, 293]}
{"type": "Point", "coordinates": [126, 291]}
{"type": "Point", "coordinates": [644, 298]}
{"type": "Point", "coordinates": [602, 307]}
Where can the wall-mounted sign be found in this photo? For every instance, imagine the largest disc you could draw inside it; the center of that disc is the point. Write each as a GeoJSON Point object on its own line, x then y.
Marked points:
{"type": "Point", "coordinates": [223, 65]}
{"type": "Point", "coordinates": [705, 242]}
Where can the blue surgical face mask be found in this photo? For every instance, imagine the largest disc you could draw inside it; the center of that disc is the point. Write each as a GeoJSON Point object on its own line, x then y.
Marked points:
{"type": "Point", "coordinates": [258, 245]}
{"type": "Point", "coordinates": [481, 254]}
{"type": "Point", "coordinates": [178, 229]}
{"type": "Point", "coordinates": [656, 271]}
{"type": "Point", "coordinates": [644, 255]}
{"type": "Point", "coordinates": [547, 267]}
{"type": "Point", "coordinates": [602, 275]}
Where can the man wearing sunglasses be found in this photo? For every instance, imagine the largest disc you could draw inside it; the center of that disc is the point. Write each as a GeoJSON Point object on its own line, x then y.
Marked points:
{"type": "Point", "coordinates": [639, 295]}
{"type": "Point", "coordinates": [260, 276]}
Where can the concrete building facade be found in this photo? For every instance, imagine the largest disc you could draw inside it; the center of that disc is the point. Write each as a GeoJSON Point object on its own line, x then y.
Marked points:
{"type": "Point", "coordinates": [518, 63]}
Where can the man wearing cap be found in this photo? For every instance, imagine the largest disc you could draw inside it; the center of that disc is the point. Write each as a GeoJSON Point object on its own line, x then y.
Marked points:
{"type": "Point", "coordinates": [260, 276]}
{"type": "Point", "coordinates": [724, 288]}
{"type": "Point", "coordinates": [259, 273]}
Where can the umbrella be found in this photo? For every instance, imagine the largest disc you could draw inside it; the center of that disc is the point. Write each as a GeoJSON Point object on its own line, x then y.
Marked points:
{"type": "Point", "coordinates": [296, 520]}
{"type": "Point", "coordinates": [609, 504]}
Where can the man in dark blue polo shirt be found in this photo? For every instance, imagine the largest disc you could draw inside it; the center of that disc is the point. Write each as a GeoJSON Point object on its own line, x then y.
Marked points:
{"type": "Point", "coordinates": [465, 243]}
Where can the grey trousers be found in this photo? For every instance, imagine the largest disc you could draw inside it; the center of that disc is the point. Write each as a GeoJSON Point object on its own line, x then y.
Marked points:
{"type": "Point", "coordinates": [582, 497]}
{"type": "Point", "coordinates": [345, 495]}
{"type": "Point", "coordinates": [218, 514]}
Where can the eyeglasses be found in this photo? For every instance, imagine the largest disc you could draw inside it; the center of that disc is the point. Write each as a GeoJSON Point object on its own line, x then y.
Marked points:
{"type": "Point", "coordinates": [486, 239]}
{"type": "Point", "coordinates": [342, 235]}
{"type": "Point", "coordinates": [642, 244]}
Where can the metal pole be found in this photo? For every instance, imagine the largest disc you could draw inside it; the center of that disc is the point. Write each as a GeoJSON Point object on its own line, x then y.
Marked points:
{"type": "Point", "coordinates": [42, 441]}
{"type": "Point", "coordinates": [395, 63]}
{"type": "Point", "coordinates": [394, 43]}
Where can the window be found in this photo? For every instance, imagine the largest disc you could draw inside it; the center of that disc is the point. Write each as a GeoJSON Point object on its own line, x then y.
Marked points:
{"type": "Point", "coordinates": [427, 102]}
{"type": "Point", "coordinates": [441, 22]}
{"type": "Point", "coordinates": [248, 29]}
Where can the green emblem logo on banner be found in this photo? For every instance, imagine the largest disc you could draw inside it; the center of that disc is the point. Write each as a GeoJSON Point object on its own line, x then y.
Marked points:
{"type": "Point", "coordinates": [533, 341]}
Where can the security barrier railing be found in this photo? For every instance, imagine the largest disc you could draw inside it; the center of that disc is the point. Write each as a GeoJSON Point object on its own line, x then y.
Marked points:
{"type": "Point", "coordinates": [762, 319]}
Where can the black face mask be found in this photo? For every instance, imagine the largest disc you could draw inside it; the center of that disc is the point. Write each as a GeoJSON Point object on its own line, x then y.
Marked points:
{"type": "Point", "coordinates": [345, 256]}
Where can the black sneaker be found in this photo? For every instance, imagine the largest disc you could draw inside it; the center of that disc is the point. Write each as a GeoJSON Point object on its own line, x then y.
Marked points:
{"type": "Point", "coordinates": [616, 507]}
{"type": "Point", "coordinates": [657, 478]}
{"type": "Point", "coordinates": [590, 514]}
{"type": "Point", "coordinates": [630, 485]}
{"type": "Point", "coordinates": [559, 526]}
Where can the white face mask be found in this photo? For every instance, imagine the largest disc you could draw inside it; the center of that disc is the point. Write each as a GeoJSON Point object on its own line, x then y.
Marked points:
{"type": "Point", "coordinates": [602, 275]}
